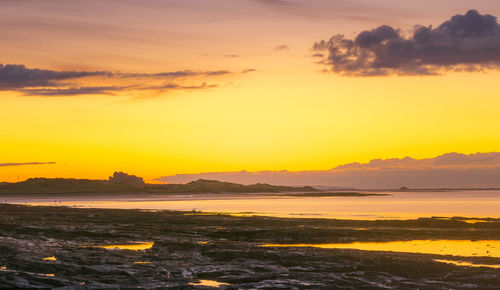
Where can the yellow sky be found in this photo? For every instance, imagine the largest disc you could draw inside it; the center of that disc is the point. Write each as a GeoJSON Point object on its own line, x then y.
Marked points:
{"type": "Point", "coordinates": [285, 115]}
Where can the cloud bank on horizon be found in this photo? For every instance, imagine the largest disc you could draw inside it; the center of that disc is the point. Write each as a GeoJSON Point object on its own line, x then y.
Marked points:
{"type": "Point", "coordinates": [469, 42]}
{"type": "Point", "coordinates": [451, 170]}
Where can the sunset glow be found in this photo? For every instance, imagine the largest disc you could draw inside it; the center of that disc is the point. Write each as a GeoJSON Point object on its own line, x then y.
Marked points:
{"type": "Point", "coordinates": [254, 98]}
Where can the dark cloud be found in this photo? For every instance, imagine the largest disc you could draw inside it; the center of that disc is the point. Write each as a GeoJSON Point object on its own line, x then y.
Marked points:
{"type": "Point", "coordinates": [14, 76]}
{"type": "Point", "coordinates": [26, 163]}
{"type": "Point", "coordinates": [176, 74]}
{"type": "Point", "coordinates": [465, 42]}
{"type": "Point", "coordinates": [183, 87]}
{"type": "Point", "coordinates": [51, 83]}
{"type": "Point", "coordinates": [282, 47]}
{"type": "Point", "coordinates": [76, 91]}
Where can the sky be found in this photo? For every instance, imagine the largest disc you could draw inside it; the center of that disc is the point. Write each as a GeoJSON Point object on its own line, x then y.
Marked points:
{"type": "Point", "coordinates": [159, 88]}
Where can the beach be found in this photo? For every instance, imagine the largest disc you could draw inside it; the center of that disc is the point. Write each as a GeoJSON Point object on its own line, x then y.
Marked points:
{"type": "Point", "coordinates": [59, 246]}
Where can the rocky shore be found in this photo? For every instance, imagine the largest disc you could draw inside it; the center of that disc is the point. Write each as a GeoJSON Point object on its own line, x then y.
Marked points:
{"type": "Point", "coordinates": [60, 247]}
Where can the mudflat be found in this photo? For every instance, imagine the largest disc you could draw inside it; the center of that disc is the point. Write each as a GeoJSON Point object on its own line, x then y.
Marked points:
{"type": "Point", "coordinates": [100, 248]}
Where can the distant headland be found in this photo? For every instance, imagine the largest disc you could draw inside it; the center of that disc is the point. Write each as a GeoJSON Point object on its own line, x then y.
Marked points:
{"type": "Point", "coordinates": [123, 183]}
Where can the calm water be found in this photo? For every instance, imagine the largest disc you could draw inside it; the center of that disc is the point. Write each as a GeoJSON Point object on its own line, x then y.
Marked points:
{"type": "Point", "coordinates": [457, 248]}
{"type": "Point", "coordinates": [463, 248]}
{"type": "Point", "coordinates": [397, 205]}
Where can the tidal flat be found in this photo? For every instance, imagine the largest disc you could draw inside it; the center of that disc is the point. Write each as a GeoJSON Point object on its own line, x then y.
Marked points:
{"type": "Point", "coordinates": [58, 246]}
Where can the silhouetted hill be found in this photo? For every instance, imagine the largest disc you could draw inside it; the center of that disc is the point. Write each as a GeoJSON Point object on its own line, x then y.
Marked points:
{"type": "Point", "coordinates": [65, 186]}
{"type": "Point", "coordinates": [85, 186]}
{"type": "Point", "coordinates": [214, 186]}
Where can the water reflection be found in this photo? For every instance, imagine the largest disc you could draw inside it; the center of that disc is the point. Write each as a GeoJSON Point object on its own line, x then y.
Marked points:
{"type": "Point", "coordinates": [50, 259]}
{"type": "Point", "coordinates": [4, 268]}
{"type": "Point", "coordinates": [209, 283]}
{"type": "Point", "coordinates": [466, 248]}
{"type": "Point", "coordinates": [467, 264]}
{"type": "Point", "coordinates": [133, 247]}
{"type": "Point", "coordinates": [397, 205]}
{"type": "Point", "coordinates": [141, 263]}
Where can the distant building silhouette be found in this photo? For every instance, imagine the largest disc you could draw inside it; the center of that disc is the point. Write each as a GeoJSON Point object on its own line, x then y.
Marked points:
{"type": "Point", "coordinates": [121, 177]}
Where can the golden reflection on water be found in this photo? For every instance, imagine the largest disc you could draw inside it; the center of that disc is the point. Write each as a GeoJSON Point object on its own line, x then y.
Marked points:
{"type": "Point", "coordinates": [467, 264]}
{"type": "Point", "coordinates": [50, 259]}
{"type": "Point", "coordinates": [141, 263]}
{"type": "Point", "coordinates": [49, 275]}
{"type": "Point", "coordinates": [133, 247]}
{"type": "Point", "coordinates": [466, 248]}
{"type": "Point", "coordinates": [475, 221]}
{"type": "Point", "coordinates": [209, 283]}
{"type": "Point", "coordinates": [3, 267]}
{"type": "Point", "coordinates": [397, 205]}
{"type": "Point", "coordinates": [465, 220]}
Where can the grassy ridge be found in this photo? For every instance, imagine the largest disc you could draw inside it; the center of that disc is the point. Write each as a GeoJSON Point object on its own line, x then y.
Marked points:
{"type": "Point", "coordinates": [86, 186]}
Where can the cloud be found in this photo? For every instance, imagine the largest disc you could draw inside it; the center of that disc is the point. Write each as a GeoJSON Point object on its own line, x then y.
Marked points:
{"type": "Point", "coordinates": [26, 163]}
{"type": "Point", "coordinates": [282, 47]}
{"type": "Point", "coordinates": [175, 74]}
{"type": "Point", "coordinates": [75, 91]}
{"type": "Point", "coordinates": [469, 42]}
{"type": "Point", "coordinates": [181, 87]}
{"type": "Point", "coordinates": [452, 170]}
{"type": "Point", "coordinates": [51, 83]}
{"type": "Point", "coordinates": [275, 2]}
{"type": "Point", "coordinates": [248, 70]}
{"type": "Point", "coordinates": [453, 160]}
{"type": "Point", "coordinates": [14, 76]}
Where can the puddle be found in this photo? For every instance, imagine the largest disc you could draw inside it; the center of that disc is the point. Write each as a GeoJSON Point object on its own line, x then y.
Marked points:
{"type": "Point", "coordinates": [209, 283]}
{"type": "Point", "coordinates": [50, 259]}
{"type": "Point", "coordinates": [4, 268]}
{"type": "Point", "coordinates": [474, 221]}
{"type": "Point", "coordinates": [467, 264]}
{"type": "Point", "coordinates": [466, 248]}
{"type": "Point", "coordinates": [465, 220]}
{"type": "Point", "coordinates": [133, 247]}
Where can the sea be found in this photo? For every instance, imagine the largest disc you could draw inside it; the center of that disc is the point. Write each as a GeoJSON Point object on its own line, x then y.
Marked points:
{"type": "Point", "coordinates": [394, 205]}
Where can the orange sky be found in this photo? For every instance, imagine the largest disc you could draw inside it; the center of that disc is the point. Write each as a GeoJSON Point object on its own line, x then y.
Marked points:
{"type": "Point", "coordinates": [271, 109]}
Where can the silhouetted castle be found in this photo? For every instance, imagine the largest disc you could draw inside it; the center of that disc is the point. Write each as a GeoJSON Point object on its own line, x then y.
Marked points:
{"type": "Point", "coordinates": [121, 177]}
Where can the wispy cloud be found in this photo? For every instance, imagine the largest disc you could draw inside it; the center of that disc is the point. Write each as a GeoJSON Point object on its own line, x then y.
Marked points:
{"type": "Point", "coordinates": [282, 47]}
{"type": "Point", "coordinates": [13, 76]}
{"type": "Point", "coordinates": [26, 163]}
{"type": "Point", "coordinates": [469, 42]}
{"type": "Point", "coordinates": [74, 91]}
{"type": "Point", "coordinates": [275, 2]}
{"type": "Point", "coordinates": [51, 83]}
